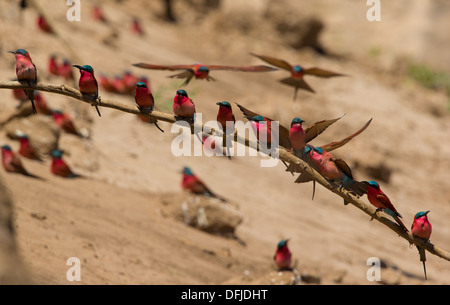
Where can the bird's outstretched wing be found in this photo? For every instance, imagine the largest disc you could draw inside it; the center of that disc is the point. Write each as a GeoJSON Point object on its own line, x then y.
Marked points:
{"type": "Point", "coordinates": [334, 145]}
{"type": "Point", "coordinates": [164, 67]}
{"type": "Point", "coordinates": [188, 75]}
{"type": "Point", "coordinates": [283, 131]}
{"type": "Point", "coordinates": [318, 127]}
{"type": "Point", "coordinates": [274, 61]}
{"type": "Point", "coordinates": [321, 72]}
{"type": "Point", "coordinates": [260, 68]}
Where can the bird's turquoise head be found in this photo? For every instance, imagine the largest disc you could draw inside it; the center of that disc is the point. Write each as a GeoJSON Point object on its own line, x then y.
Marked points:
{"type": "Point", "coordinates": [141, 85]}
{"type": "Point", "coordinates": [182, 92]}
{"type": "Point", "coordinates": [256, 118]}
{"type": "Point", "coordinates": [318, 150]}
{"type": "Point", "coordinates": [224, 104]}
{"type": "Point", "coordinates": [6, 147]}
{"type": "Point", "coordinates": [372, 184]}
{"type": "Point", "coordinates": [297, 69]}
{"type": "Point", "coordinates": [308, 149]}
{"type": "Point", "coordinates": [296, 120]}
{"type": "Point", "coordinates": [421, 214]}
{"type": "Point", "coordinates": [282, 243]}
{"type": "Point", "coordinates": [86, 68]}
{"type": "Point", "coordinates": [187, 171]}
{"type": "Point", "coordinates": [203, 69]}
{"type": "Point", "coordinates": [56, 153]}
{"type": "Point", "coordinates": [19, 51]}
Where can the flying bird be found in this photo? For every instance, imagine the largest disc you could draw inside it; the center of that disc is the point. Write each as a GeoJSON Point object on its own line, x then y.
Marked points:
{"type": "Point", "coordinates": [296, 79]}
{"type": "Point", "coordinates": [193, 184]}
{"type": "Point", "coordinates": [200, 71]}
{"type": "Point", "coordinates": [26, 73]}
{"type": "Point", "coordinates": [421, 228]}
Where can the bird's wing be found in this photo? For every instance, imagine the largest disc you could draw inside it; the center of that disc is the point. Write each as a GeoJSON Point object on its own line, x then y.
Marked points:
{"type": "Point", "coordinates": [317, 128]}
{"type": "Point", "coordinates": [387, 203]}
{"type": "Point", "coordinates": [321, 72]}
{"type": "Point", "coordinates": [283, 131]}
{"type": "Point", "coordinates": [17, 164]}
{"type": "Point", "coordinates": [334, 145]}
{"type": "Point", "coordinates": [343, 166]}
{"type": "Point", "coordinates": [164, 67]}
{"type": "Point", "coordinates": [274, 61]}
{"type": "Point", "coordinates": [260, 68]}
{"type": "Point", "coordinates": [297, 83]}
{"type": "Point", "coordinates": [188, 75]}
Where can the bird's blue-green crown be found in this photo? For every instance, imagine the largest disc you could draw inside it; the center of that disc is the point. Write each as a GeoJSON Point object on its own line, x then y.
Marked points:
{"type": "Point", "coordinates": [141, 84]}
{"type": "Point", "coordinates": [203, 69]}
{"type": "Point", "coordinates": [85, 68]}
{"type": "Point", "coordinates": [282, 243]}
{"type": "Point", "coordinates": [56, 153]}
{"type": "Point", "coordinates": [373, 184]}
{"type": "Point", "coordinates": [187, 171]}
{"type": "Point", "coordinates": [421, 214]}
{"type": "Point", "coordinates": [297, 69]}
{"type": "Point", "coordinates": [182, 92]}
{"type": "Point", "coordinates": [7, 147]}
{"type": "Point", "coordinates": [258, 118]}
{"type": "Point", "coordinates": [296, 120]}
{"type": "Point", "coordinates": [225, 104]}
{"type": "Point", "coordinates": [22, 52]}
{"type": "Point", "coordinates": [319, 150]}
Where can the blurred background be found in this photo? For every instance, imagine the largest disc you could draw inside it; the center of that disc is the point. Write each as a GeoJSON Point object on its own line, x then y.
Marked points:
{"type": "Point", "coordinates": [128, 219]}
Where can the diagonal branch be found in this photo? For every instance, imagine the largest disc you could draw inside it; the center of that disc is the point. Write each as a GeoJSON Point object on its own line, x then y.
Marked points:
{"type": "Point", "coordinates": [282, 154]}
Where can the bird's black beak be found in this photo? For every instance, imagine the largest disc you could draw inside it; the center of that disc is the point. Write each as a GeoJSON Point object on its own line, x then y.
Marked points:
{"type": "Point", "coordinates": [218, 103]}
{"type": "Point", "coordinates": [77, 66]}
{"type": "Point", "coordinates": [426, 213]}
{"type": "Point", "coordinates": [14, 52]}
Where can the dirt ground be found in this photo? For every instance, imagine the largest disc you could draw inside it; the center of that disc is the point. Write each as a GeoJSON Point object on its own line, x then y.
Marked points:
{"type": "Point", "coordinates": [116, 219]}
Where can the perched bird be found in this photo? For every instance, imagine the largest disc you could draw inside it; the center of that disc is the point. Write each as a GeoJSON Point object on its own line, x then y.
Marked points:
{"type": "Point", "coordinates": [88, 85]}
{"type": "Point", "coordinates": [41, 104]}
{"type": "Point", "coordinates": [297, 136]}
{"type": "Point", "coordinates": [59, 167]}
{"type": "Point", "coordinates": [106, 84]}
{"type": "Point", "coordinates": [53, 67]}
{"type": "Point", "coordinates": [129, 81]}
{"type": "Point", "coordinates": [283, 255]}
{"type": "Point", "coordinates": [382, 202]}
{"type": "Point", "coordinates": [26, 149]}
{"type": "Point", "coordinates": [44, 25]}
{"type": "Point", "coordinates": [183, 106]}
{"type": "Point", "coordinates": [193, 184]}
{"type": "Point", "coordinates": [421, 228]}
{"type": "Point", "coordinates": [145, 101]}
{"type": "Point", "coordinates": [297, 72]}
{"type": "Point", "coordinates": [64, 121]}
{"type": "Point", "coordinates": [335, 170]}
{"type": "Point", "coordinates": [26, 73]}
{"type": "Point", "coordinates": [12, 164]}
{"type": "Point", "coordinates": [262, 129]}
{"type": "Point", "coordinates": [65, 70]}
{"type": "Point", "coordinates": [201, 71]}
{"type": "Point", "coordinates": [119, 85]}
{"type": "Point", "coordinates": [225, 115]}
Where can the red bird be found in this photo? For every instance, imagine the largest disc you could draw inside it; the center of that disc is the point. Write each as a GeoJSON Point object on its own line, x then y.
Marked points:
{"type": "Point", "coordinates": [66, 71]}
{"type": "Point", "coordinates": [193, 184]}
{"type": "Point", "coordinates": [183, 106]}
{"type": "Point", "coordinates": [26, 149]}
{"type": "Point", "coordinates": [11, 162]}
{"type": "Point", "coordinates": [97, 14]}
{"type": "Point", "coordinates": [201, 71]}
{"type": "Point", "coordinates": [129, 82]}
{"type": "Point", "coordinates": [41, 104]}
{"type": "Point", "coordinates": [283, 255]}
{"type": "Point", "coordinates": [225, 115]}
{"type": "Point", "coordinates": [53, 67]}
{"type": "Point", "coordinates": [64, 121]}
{"type": "Point", "coordinates": [44, 25]}
{"type": "Point", "coordinates": [136, 27]}
{"type": "Point", "coordinates": [145, 101]}
{"type": "Point", "coordinates": [59, 167]}
{"type": "Point", "coordinates": [297, 72]}
{"type": "Point", "coordinates": [106, 83]}
{"type": "Point", "coordinates": [421, 228]}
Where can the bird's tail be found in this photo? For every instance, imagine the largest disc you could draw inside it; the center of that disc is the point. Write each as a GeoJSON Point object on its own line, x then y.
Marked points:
{"type": "Point", "coordinates": [156, 124]}
{"type": "Point", "coordinates": [188, 75]}
{"type": "Point", "coordinates": [98, 111]}
{"type": "Point", "coordinates": [34, 176]}
{"type": "Point", "coordinates": [30, 95]}
{"type": "Point", "coordinates": [422, 259]}
{"type": "Point", "coordinates": [297, 84]}
{"type": "Point", "coordinates": [397, 217]}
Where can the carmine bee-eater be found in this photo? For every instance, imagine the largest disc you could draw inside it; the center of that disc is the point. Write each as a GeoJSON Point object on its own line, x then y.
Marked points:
{"type": "Point", "coordinates": [145, 101]}
{"type": "Point", "coordinates": [64, 121]}
{"type": "Point", "coordinates": [193, 184]}
{"type": "Point", "coordinates": [421, 228]}
{"type": "Point", "coordinates": [44, 25]}
{"type": "Point", "coordinates": [41, 104]}
{"type": "Point", "coordinates": [262, 129]}
{"type": "Point", "coordinates": [297, 136]}
{"type": "Point", "coordinates": [26, 73]}
{"type": "Point", "coordinates": [88, 85]}
{"type": "Point", "coordinates": [26, 149]}
{"type": "Point", "coordinates": [129, 81]}
{"type": "Point", "coordinates": [283, 255]}
{"type": "Point", "coordinates": [65, 70]}
{"type": "Point", "coordinates": [105, 83]}
{"type": "Point", "coordinates": [53, 67]}
{"type": "Point", "coordinates": [59, 167]}
{"type": "Point", "coordinates": [297, 72]}
{"type": "Point", "coordinates": [225, 115]}
{"type": "Point", "coordinates": [183, 106]}
{"type": "Point", "coordinates": [201, 71]}
{"type": "Point", "coordinates": [12, 164]}
{"type": "Point", "coordinates": [382, 202]}
{"type": "Point", "coordinates": [136, 27]}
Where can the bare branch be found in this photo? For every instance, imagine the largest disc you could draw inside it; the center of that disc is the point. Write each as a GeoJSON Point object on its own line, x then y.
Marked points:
{"type": "Point", "coordinates": [282, 154]}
